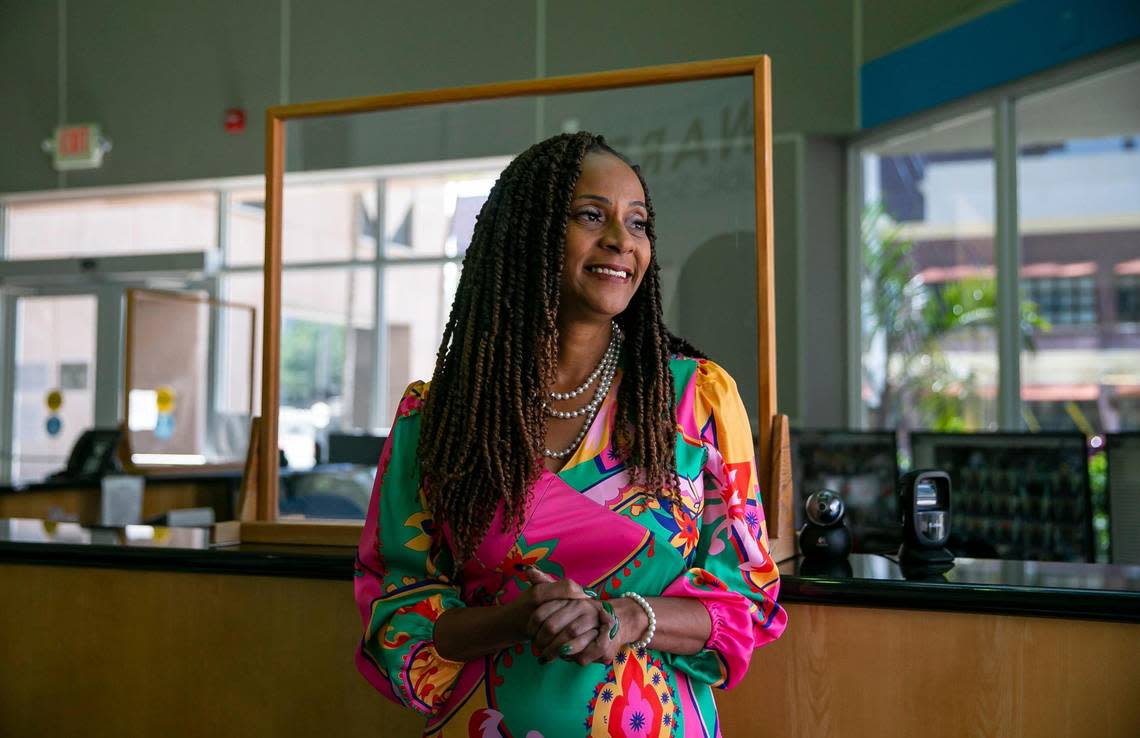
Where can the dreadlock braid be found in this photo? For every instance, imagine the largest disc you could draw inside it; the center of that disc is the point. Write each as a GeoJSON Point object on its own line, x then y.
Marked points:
{"type": "Point", "coordinates": [483, 426]}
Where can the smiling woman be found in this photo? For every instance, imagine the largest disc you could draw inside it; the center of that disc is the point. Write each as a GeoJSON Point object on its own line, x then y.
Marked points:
{"type": "Point", "coordinates": [566, 528]}
{"type": "Point", "coordinates": [607, 247]}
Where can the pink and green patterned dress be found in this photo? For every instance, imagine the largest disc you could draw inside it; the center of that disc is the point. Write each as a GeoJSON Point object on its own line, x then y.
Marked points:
{"type": "Point", "coordinates": [587, 522]}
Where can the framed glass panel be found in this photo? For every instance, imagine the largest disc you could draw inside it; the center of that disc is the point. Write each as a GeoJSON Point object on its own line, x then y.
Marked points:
{"type": "Point", "coordinates": [189, 379]}
{"type": "Point", "coordinates": [701, 133]}
{"type": "Point", "coordinates": [694, 141]}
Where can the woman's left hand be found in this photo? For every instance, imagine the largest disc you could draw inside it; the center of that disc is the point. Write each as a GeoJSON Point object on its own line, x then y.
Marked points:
{"type": "Point", "coordinates": [624, 622]}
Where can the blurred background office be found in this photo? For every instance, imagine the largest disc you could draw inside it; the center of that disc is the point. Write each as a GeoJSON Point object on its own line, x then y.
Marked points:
{"type": "Point", "coordinates": [956, 197]}
{"type": "Point", "coordinates": [957, 207]}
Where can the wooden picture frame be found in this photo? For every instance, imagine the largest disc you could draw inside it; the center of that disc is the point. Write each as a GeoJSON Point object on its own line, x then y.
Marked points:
{"type": "Point", "coordinates": [772, 457]}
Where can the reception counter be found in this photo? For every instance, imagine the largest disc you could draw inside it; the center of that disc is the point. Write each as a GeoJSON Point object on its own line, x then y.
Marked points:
{"type": "Point", "coordinates": [151, 630]}
{"type": "Point", "coordinates": [79, 500]}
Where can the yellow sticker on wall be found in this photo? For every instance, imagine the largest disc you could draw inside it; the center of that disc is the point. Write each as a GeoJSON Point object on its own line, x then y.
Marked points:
{"type": "Point", "coordinates": [164, 399]}
{"type": "Point", "coordinates": [54, 400]}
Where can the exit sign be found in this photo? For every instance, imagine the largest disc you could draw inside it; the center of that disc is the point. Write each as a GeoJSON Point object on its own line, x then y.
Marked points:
{"type": "Point", "coordinates": [79, 146]}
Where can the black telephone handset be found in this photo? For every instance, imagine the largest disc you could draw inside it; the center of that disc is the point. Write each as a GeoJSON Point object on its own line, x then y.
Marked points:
{"type": "Point", "coordinates": [94, 455]}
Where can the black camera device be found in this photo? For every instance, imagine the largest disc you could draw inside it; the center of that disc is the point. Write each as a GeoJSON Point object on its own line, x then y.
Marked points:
{"type": "Point", "coordinates": [924, 501]}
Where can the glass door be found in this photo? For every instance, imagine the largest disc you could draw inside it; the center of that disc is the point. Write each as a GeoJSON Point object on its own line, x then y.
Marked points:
{"type": "Point", "coordinates": [52, 380]}
{"type": "Point", "coordinates": [61, 369]}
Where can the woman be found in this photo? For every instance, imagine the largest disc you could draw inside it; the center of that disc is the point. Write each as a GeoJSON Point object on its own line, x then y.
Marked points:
{"type": "Point", "coordinates": [565, 536]}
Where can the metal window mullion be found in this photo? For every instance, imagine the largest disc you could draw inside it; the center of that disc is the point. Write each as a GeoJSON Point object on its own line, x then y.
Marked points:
{"type": "Point", "coordinates": [109, 356]}
{"type": "Point", "coordinates": [417, 260]}
{"type": "Point", "coordinates": [376, 411]}
{"type": "Point", "coordinates": [1007, 254]}
{"type": "Point", "coordinates": [3, 231]}
{"type": "Point", "coordinates": [7, 361]}
{"type": "Point", "coordinates": [219, 326]}
{"type": "Point", "coordinates": [853, 274]}
{"type": "Point", "coordinates": [346, 264]}
{"type": "Point", "coordinates": [7, 384]}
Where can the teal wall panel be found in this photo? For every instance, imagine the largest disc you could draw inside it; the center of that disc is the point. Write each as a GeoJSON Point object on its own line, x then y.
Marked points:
{"type": "Point", "coordinates": [1011, 43]}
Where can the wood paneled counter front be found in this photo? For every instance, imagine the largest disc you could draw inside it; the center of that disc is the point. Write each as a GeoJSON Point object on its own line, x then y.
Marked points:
{"type": "Point", "coordinates": [258, 641]}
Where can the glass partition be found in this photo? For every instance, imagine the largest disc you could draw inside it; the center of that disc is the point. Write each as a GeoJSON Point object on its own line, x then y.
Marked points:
{"type": "Point", "coordinates": [188, 397]}
{"type": "Point", "coordinates": [418, 174]}
{"type": "Point", "coordinates": [427, 172]}
{"type": "Point", "coordinates": [693, 141]}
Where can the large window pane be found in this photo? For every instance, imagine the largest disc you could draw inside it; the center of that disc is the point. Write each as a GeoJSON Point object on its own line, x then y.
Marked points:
{"type": "Point", "coordinates": [433, 215]}
{"type": "Point", "coordinates": [326, 221]}
{"type": "Point", "coordinates": [326, 353]}
{"type": "Point", "coordinates": [1079, 217]}
{"type": "Point", "coordinates": [104, 226]}
{"type": "Point", "coordinates": [928, 282]}
{"type": "Point", "coordinates": [417, 301]}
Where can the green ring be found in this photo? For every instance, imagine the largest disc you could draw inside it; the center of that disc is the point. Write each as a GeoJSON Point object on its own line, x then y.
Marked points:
{"type": "Point", "coordinates": [617, 622]}
{"type": "Point", "coordinates": [565, 650]}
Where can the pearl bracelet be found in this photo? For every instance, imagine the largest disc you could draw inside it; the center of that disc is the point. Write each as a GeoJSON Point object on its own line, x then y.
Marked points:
{"type": "Point", "coordinates": [649, 613]}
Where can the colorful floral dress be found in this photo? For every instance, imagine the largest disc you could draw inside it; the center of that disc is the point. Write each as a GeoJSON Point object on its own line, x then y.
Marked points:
{"type": "Point", "coordinates": [587, 522]}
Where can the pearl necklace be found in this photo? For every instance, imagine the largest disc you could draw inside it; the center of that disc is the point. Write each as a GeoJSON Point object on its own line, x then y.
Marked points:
{"type": "Point", "coordinates": [611, 353]}
{"type": "Point", "coordinates": [607, 368]}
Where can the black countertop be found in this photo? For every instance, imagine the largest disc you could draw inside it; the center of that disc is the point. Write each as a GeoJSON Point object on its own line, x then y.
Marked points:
{"type": "Point", "coordinates": [1049, 588]}
{"type": "Point", "coordinates": [1094, 591]}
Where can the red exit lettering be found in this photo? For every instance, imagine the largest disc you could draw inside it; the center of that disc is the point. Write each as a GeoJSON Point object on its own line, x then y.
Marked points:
{"type": "Point", "coordinates": [73, 141]}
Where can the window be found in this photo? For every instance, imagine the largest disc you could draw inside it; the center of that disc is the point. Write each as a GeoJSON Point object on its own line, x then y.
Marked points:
{"type": "Point", "coordinates": [928, 289]}
{"type": "Point", "coordinates": [930, 318]}
{"type": "Point", "coordinates": [433, 216]}
{"type": "Point", "coordinates": [935, 337]}
{"type": "Point", "coordinates": [326, 221]}
{"type": "Point", "coordinates": [1128, 297]}
{"type": "Point", "coordinates": [1078, 175]}
{"type": "Point", "coordinates": [417, 300]}
{"type": "Point", "coordinates": [1064, 300]}
{"type": "Point", "coordinates": [112, 225]}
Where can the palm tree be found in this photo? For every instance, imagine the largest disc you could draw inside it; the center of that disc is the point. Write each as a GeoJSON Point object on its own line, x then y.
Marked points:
{"type": "Point", "coordinates": [906, 322]}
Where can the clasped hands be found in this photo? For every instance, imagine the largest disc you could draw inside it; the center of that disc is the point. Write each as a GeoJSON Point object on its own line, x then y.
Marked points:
{"type": "Point", "coordinates": [562, 620]}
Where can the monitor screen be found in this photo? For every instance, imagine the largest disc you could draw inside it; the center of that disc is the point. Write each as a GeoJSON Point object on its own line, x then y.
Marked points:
{"type": "Point", "coordinates": [862, 466]}
{"type": "Point", "coordinates": [355, 448]}
{"type": "Point", "coordinates": [1123, 451]}
{"type": "Point", "coordinates": [1022, 496]}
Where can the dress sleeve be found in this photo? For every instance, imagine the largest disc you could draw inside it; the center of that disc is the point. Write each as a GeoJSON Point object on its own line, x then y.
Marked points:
{"type": "Point", "coordinates": [402, 578]}
{"type": "Point", "coordinates": [732, 573]}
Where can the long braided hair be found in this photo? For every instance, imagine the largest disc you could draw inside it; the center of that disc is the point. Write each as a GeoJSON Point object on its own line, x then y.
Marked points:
{"type": "Point", "coordinates": [483, 428]}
